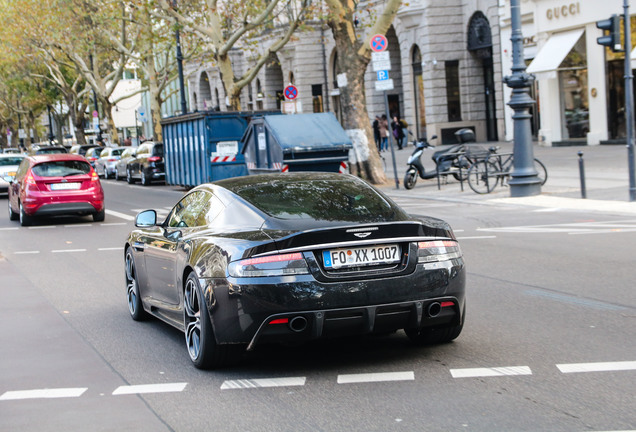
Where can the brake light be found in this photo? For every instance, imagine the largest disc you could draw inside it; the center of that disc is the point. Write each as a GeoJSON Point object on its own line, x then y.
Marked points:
{"type": "Point", "coordinates": [112, 160]}
{"type": "Point", "coordinates": [272, 265]}
{"type": "Point", "coordinates": [154, 158]}
{"type": "Point", "coordinates": [94, 176]}
{"type": "Point", "coordinates": [438, 250]}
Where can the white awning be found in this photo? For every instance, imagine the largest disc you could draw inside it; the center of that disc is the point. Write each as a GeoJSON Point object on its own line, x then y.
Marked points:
{"type": "Point", "coordinates": [552, 53]}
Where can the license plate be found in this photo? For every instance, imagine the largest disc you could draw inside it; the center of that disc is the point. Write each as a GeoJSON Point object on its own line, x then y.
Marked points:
{"type": "Point", "coordinates": [65, 186]}
{"type": "Point", "coordinates": [363, 256]}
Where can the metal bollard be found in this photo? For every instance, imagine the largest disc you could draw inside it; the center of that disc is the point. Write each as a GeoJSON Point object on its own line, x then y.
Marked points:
{"type": "Point", "coordinates": [582, 175]}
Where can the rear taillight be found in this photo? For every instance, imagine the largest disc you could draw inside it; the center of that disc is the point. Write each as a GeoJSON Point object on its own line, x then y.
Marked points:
{"type": "Point", "coordinates": [94, 176]}
{"type": "Point", "coordinates": [438, 250]}
{"type": "Point", "coordinates": [112, 160]}
{"type": "Point", "coordinates": [29, 179]}
{"type": "Point", "coordinates": [154, 158]}
{"type": "Point", "coordinates": [272, 265]}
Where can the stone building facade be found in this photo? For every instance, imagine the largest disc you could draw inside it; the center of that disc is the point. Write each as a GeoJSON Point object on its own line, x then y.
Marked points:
{"type": "Point", "coordinates": [445, 66]}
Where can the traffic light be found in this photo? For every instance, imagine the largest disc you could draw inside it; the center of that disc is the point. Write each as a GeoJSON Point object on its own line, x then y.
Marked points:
{"type": "Point", "coordinates": [613, 39]}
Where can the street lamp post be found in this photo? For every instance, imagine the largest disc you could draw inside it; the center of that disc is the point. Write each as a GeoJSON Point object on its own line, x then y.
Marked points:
{"type": "Point", "coordinates": [524, 180]}
{"type": "Point", "coordinates": [48, 110]}
{"type": "Point", "coordinates": [184, 107]}
{"type": "Point", "coordinates": [99, 128]}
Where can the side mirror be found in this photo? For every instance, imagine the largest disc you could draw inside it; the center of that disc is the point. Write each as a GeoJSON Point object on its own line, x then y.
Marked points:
{"type": "Point", "coordinates": [146, 218]}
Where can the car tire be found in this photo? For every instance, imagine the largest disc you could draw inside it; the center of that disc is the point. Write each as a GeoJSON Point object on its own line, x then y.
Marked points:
{"type": "Point", "coordinates": [410, 178]}
{"type": "Point", "coordinates": [129, 177]}
{"type": "Point", "coordinates": [99, 216]}
{"type": "Point", "coordinates": [117, 176]}
{"type": "Point", "coordinates": [434, 335]}
{"type": "Point", "coordinates": [144, 179]}
{"type": "Point", "coordinates": [135, 307]}
{"type": "Point", "coordinates": [106, 175]}
{"type": "Point", "coordinates": [12, 215]}
{"type": "Point", "coordinates": [25, 219]}
{"type": "Point", "coordinates": [201, 344]}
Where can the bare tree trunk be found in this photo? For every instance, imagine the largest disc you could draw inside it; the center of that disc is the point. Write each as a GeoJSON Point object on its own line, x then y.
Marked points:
{"type": "Point", "coordinates": [108, 111]}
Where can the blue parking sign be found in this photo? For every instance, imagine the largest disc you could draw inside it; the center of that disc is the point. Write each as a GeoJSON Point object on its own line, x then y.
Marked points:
{"type": "Point", "coordinates": [383, 75]}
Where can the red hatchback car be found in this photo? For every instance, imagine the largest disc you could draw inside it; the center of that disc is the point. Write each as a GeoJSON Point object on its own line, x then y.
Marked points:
{"type": "Point", "coordinates": [55, 184]}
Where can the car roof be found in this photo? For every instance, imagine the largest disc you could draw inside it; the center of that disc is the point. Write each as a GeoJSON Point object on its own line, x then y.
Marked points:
{"type": "Point", "coordinates": [56, 157]}
{"type": "Point", "coordinates": [11, 155]}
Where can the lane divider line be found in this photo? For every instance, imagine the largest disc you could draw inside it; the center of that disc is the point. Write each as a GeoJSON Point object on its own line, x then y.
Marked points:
{"type": "Point", "coordinates": [490, 372]}
{"type": "Point", "coordinates": [26, 252]}
{"type": "Point", "coordinates": [67, 250]}
{"type": "Point", "coordinates": [44, 393]}
{"type": "Point", "coordinates": [597, 367]}
{"type": "Point", "coordinates": [120, 215]}
{"type": "Point", "coordinates": [263, 383]}
{"type": "Point", "coordinates": [375, 377]}
{"type": "Point", "coordinates": [150, 388]}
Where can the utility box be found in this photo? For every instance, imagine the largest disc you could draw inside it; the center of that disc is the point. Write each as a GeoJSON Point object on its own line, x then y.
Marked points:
{"type": "Point", "coordinates": [300, 142]}
{"type": "Point", "coordinates": [205, 146]}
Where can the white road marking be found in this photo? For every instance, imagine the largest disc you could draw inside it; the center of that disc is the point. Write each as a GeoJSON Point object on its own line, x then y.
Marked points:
{"type": "Point", "coordinates": [9, 229]}
{"type": "Point", "coordinates": [44, 393]}
{"type": "Point", "coordinates": [597, 367]}
{"type": "Point", "coordinates": [26, 252]}
{"type": "Point", "coordinates": [113, 224]}
{"type": "Point", "coordinates": [42, 227]}
{"type": "Point", "coordinates": [67, 250]}
{"type": "Point", "coordinates": [149, 388]}
{"type": "Point", "coordinates": [490, 372]}
{"type": "Point", "coordinates": [111, 249]}
{"type": "Point", "coordinates": [375, 377]}
{"type": "Point", "coordinates": [593, 227]}
{"type": "Point", "coordinates": [476, 237]}
{"type": "Point", "coordinates": [263, 382]}
{"type": "Point", "coordinates": [78, 225]}
{"type": "Point", "coordinates": [120, 215]}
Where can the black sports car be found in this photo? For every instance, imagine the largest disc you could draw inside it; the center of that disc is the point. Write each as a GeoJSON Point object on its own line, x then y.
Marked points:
{"type": "Point", "coordinates": [293, 257]}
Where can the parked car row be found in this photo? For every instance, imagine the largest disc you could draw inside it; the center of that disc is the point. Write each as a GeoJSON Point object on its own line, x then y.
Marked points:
{"type": "Point", "coordinates": [144, 163]}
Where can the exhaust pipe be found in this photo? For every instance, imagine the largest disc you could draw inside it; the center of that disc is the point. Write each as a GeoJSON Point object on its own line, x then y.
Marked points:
{"type": "Point", "coordinates": [434, 309]}
{"type": "Point", "coordinates": [298, 324]}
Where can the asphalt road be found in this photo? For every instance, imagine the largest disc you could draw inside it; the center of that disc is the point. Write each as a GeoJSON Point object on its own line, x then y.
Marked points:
{"type": "Point", "coordinates": [548, 343]}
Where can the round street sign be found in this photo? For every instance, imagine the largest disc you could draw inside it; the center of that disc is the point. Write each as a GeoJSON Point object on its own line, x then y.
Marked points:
{"type": "Point", "coordinates": [379, 43]}
{"type": "Point", "coordinates": [291, 92]}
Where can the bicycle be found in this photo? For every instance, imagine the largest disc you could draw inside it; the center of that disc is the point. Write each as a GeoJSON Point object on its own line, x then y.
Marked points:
{"type": "Point", "coordinates": [484, 175]}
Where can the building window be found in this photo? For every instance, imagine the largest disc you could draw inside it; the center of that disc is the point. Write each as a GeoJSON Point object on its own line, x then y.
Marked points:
{"type": "Point", "coordinates": [453, 103]}
{"type": "Point", "coordinates": [316, 97]}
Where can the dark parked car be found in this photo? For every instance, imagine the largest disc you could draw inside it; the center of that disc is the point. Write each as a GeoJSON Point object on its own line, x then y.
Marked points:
{"type": "Point", "coordinates": [56, 184]}
{"type": "Point", "coordinates": [293, 257]}
{"type": "Point", "coordinates": [147, 164]}
{"type": "Point", "coordinates": [49, 150]}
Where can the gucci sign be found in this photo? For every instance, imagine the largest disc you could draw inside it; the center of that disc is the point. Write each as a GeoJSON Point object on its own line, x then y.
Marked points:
{"type": "Point", "coordinates": [563, 11]}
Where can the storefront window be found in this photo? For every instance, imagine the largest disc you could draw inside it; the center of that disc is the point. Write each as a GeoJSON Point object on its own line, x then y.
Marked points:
{"type": "Point", "coordinates": [573, 86]}
{"type": "Point", "coordinates": [453, 103]}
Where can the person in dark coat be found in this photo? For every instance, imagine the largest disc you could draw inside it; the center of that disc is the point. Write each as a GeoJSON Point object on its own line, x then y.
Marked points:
{"type": "Point", "coordinates": [376, 131]}
{"type": "Point", "coordinates": [398, 133]}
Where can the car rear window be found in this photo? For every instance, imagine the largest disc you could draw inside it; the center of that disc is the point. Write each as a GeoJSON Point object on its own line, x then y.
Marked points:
{"type": "Point", "coordinates": [324, 199]}
{"type": "Point", "coordinates": [157, 150]}
{"type": "Point", "coordinates": [61, 168]}
{"type": "Point", "coordinates": [7, 161]}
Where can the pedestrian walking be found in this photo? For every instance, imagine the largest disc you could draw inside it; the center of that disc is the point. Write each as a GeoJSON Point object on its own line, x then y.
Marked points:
{"type": "Point", "coordinates": [384, 133]}
{"type": "Point", "coordinates": [376, 132]}
{"type": "Point", "coordinates": [398, 134]}
{"type": "Point", "coordinates": [405, 132]}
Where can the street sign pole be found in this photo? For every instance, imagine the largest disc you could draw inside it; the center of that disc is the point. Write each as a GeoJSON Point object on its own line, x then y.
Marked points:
{"type": "Point", "coordinates": [629, 104]}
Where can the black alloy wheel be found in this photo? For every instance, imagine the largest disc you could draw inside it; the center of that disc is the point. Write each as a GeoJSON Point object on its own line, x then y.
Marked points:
{"type": "Point", "coordinates": [204, 352]}
{"type": "Point", "coordinates": [135, 307]}
{"type": "Point", "coordinates": [410, 178]}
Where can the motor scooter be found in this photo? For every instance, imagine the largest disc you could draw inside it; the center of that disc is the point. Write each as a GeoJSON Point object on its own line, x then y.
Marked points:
{"type": "Point", "coordinates": [447, 161]}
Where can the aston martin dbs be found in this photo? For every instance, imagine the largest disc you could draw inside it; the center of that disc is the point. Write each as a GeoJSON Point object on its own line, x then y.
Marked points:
{"type": "Point", "coordinates": [293, 257]}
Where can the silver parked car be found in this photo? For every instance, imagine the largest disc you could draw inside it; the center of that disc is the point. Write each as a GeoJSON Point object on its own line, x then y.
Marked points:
{"type": "Point", "coordinates": [106, 164]}
{"type": "Point", "coordinates": [120, 165]}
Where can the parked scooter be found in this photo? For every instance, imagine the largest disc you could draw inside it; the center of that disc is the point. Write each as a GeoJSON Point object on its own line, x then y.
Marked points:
{"type": "Point", "coordinates": [447, 161]}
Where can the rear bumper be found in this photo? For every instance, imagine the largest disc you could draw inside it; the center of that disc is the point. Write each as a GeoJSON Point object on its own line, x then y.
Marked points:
{"type": "Point", "coordinates": [242, 310]}
{"type": "Point", "coordinates": [81, 208]}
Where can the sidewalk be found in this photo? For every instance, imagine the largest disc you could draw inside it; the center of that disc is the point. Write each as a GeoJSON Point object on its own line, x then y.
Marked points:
{"type": "Point", "coordinates": [606, 178]}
